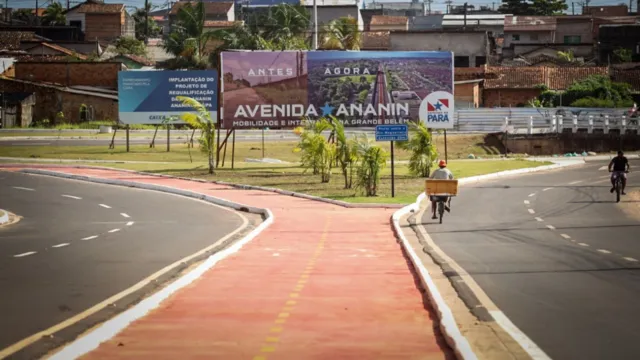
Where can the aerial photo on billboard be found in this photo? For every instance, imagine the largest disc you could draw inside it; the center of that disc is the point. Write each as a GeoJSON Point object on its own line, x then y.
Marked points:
{"type": "Point", "coordinates": [280, 89]}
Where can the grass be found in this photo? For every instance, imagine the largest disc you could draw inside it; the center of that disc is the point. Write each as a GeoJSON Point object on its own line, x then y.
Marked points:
{"type": "Point", "coordinates": [284, 176]}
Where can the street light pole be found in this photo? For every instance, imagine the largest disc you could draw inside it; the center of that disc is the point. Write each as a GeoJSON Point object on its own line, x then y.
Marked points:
{"type": "Point", "coordinates": [315, 25]}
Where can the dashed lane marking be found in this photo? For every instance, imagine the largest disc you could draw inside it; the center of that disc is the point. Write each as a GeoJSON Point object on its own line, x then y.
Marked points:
{"type": "Point", "coordinates": [25, 254]}
{"type": "Point", "coordinates": [604, 251]}
{"type": "Point", "coordinates": [105, 206]}
{"type": "Point", "coordinates": [130, 223]}
{"type": "Point", "coordinates": [531, 211]}
{"type": "Point", "coordinates": [125, 215]}
{"type": "Point", "coordinates": [551, 227]}
{"type": "Point", "coordinates": [583, 244]}
{"type": "Point", "coordinates": [575, 182]}
{"type": "Point", "coordinates": [527, 202]}
{"type": "Point", "coordinates": [546, 189]}
{"type": "Point", "coordinates": [114, 230]}
{"type": "Point", "coordinates": [72, 197]}
{"type": "Point", "coordinates": [630, 259]}
{"type": "Point", "coordinates": [539, 219]}
{"type": "Point", "coordinates": [23, 188]}
{"type": "Point", "coordinates": [61, 245]}
{"type": "Point", "coordinates": [565, 236]}
{"type": "Point", "coordinates": [90, 237]}
{"type": "Point", "coordinates": [532, 194]}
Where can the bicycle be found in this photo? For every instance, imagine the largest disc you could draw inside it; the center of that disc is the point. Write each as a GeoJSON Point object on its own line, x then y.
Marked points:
{"type": "Point", "coordinates": [441, 205]}
{"type": "Point", "coordinates": [441, 190]}
{"type": "Point", "coordinates": [618, 184]}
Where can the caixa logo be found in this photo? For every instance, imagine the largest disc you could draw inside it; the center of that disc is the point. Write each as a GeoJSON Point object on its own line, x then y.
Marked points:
{"type": "Point", "coordinates": [436, 110]}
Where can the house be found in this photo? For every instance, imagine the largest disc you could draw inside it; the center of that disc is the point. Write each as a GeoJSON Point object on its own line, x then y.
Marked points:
{"type": "Point", "coordinates": [389, 23]}
{"type": "Point", "coordinates": [16, 109]}
{"type": "Point", "coordinates": [100, 21]}
{"type": "Point", "coordinates": [53, 50]}
{"type": "Point", "coordinates": [468, 87]}
{"type": "Point", "coordinates": [214, 11]}
{"type": "Point", "coordinates": [607, 10]}
{"type": "Point", "coordinates": [614, 37]}
{"type": "Point", "coordinates": [47, 33]}
{"type": "Point", "coordinates": [471, 48]}
{"type": "Point", "coordinates": [516, 86]}
{"type": "Point", "coordinates": [427, 22]}
{"type": "Point", "coordinates": [102, 74]}
{"type": "Point", "coordinates": [627, 73]}
{"type": "Point", "coordinates": [80, 47]}
{"type": "Point", "coordinates": [132, 62]}
{"type": "Point", "coordinates": [492, 23]}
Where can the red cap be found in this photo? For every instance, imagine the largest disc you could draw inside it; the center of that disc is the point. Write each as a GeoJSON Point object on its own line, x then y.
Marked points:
{"type": "Point", "coordinates": [442, 163]}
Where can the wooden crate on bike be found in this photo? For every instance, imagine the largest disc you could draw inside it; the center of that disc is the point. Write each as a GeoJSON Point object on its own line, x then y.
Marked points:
{"type": "Point", "coordinates": [441, 187]}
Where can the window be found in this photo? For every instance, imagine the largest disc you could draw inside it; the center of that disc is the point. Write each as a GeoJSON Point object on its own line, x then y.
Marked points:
{"type": "Point", "coordinates": [515, 37]}
{"type": "Point", "coordinates": [76, 23]}
{"type": "Point", "coordinates": [572, 39]}
{"type": "Point", "coordinates": [481, 60]}
{"type": "Point", "coordinates": [461, 61]}
{"type": "Point", "coordinates": [533, 37]}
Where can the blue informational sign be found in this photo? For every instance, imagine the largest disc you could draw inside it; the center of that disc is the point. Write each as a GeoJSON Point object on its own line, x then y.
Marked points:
{"type": "Point", "coordinates": [149, 97]}
{"type": "Point", "coordinates": [392, 132]}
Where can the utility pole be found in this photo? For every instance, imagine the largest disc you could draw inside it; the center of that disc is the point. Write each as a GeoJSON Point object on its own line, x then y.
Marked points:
{"type": "Point", "coordinates": [465, 17]}
{"type": "Point", "coordinates": [573, 8]}
{"type": "Point", "coordinates": [315, 25]}
{"type": "Point", "coordinates": [429, 5]}
{"type": "Point", "coordinates": [146, 22]}
{"type": "Point", "coordinates": [37, 17]}
{"type": "Point", "coordinates": [448, 2]}
{"type": "Point", "coordinates": [68, 5]}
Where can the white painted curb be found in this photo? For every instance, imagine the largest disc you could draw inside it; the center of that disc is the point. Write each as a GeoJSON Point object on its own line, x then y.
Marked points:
{"type": "Point", "coordinates": [448, 325]}
{"type": "Point", "coordinates": [4, 217]}
{"type": "Point", "coordinates": [112, 327]}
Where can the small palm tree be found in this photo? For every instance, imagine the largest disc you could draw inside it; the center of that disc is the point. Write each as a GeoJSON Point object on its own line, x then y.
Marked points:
{"type": "Point", "coordinates": [54, 15]}
{"type": "Point", "coordinates": [346, 153]}
{"type": "Point", "coordinates": [201, 119]}
{"type": "Point", "coordinates": [423, 150]}
{"type": "Point", "coordinates": [371, 161]}
{"type": "Point", "coordinates": [341, 34]}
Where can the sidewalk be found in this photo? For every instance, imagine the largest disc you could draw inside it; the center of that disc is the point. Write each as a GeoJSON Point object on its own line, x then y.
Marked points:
{"type": "Point", "coordinates": [322, 282]}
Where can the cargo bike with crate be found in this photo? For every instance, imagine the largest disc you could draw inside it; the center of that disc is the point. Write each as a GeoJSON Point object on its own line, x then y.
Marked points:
{"type": "Point", "coordinates": [442, 191]}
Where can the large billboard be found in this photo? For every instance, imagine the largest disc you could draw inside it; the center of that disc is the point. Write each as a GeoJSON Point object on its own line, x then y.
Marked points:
{"type": "Point", "coordinates": [361, 88]}
{"type": "Point", "coordinates": [150, 97]}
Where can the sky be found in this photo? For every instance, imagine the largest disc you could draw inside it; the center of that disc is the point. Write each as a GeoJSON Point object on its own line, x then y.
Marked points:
{"type": "Point", "coordinates": [436, 5]}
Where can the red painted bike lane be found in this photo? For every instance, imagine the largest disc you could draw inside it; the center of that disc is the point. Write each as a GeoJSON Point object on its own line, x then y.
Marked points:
{"type": "Point", "coordinates": [321, 282]}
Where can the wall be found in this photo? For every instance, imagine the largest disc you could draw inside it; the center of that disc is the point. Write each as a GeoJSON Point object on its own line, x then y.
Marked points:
{"type": "Point", "coordinates": [507, 97]}
{"type": "Point", "coordinates": [389, 27]}
{"type": "Point", "coordinates": [328, 13]}
{"type": "Point", "coordinates": [470, 44]}
{"type": "Point", "coordinates": [578, 50]}
{"type": "Point", "coordinates": [528, 37]}
{"type": "Point", "coordinates": [128, 25]}
{"type": "Point", "coordinates": [467, 95]}
{"type": "Point", "coordinates": [582, 28]}
{"type": "Point", "coordinates": [100, 74]}
{"type": "Point", "coordinates": [74, 16]}
{"type": "Point", "coordinates": [51, 100]}
{"type": "Point", "coordinates": [105, 27]}
{"type": "Point", "coordinates": [568, 142]}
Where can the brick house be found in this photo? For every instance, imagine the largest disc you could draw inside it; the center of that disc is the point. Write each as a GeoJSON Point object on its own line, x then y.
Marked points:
{"type": "Point", "coordinates": [96, 74]}
{"type": "Point", "coordinates": [389, 23]}
{"type": "Point", "coordinates": [610, 10]}
{"type": "Point", "coordinates": [100, 21]}
{"type": "Point", "coordinates": [468, 87]}
{"type": "Point", "coordinates": [516, 86]}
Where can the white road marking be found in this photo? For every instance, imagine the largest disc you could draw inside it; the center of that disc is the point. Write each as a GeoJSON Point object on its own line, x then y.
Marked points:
{"type": "Point", "coordinates": [114, 230]}
{"type": "Point", "coordinates": [630, 259]}
{"type": "Point", "coordinates": [546, 189]}
{"type": "Point", "coordinates": [61, 245]}
{"type": "Point", "coordinates": [583, 244]}
{"type": "Point", "coordinates": [539, 219]}
{"type": "Point", "coordinates": [72, 197]}
{"type": "Point", "coordinates": [527, 344]}
{"type": "Point", "coordinates": [130, 223]}
{"type": "Point", "coordinates": [23, 188]}
{"type": "Point", "coordinates": [527, 202]}
{"type": "Point", "coordinates": [575, 182]}
{"type": "Point", "coordinates": [532, 194]}
{"type": "Point", "coordinates": [125, 215]}
{"type": "Point", "coordinates": [105, 206]}
{"type": "Point", "coordinates": [603, 168]}
{"type": "Point", "coordinates": [531, 211]}
{"type": "Point", "coordinates": [24, 254]}
{"type": "Point", "coordinates": [551, 227]}
{"type": "Point", "coordinates": [90, 237]}
{"type": "Point", "coordinates": [604, 251]}
{"type": "Point", "coordinates": [565, 236]}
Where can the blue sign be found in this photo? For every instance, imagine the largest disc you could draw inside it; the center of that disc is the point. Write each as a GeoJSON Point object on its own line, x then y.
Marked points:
{"type": "Point", "coordinates": [149, 97]}
{"type": "Point", "coordinates": [392, 132]}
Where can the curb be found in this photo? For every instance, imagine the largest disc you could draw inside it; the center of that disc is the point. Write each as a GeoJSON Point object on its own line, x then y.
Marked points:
{"type": "Point", "coordinates": [474, 179]}
{"type": "Point", "coordinates": [91, 340]}
{"type": "Point", "coordinates": [4, 217]}
{"type": "Point", "coordinates": [448, 324]}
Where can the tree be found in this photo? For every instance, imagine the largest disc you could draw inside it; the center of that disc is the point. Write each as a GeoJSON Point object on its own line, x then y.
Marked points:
{"type": "Point", "coordinates": [130, 46]}
{"type": "Point", "coordinates": [25, 15]}
{"type": "Point", "coordinates": [317, 153]}
{"type": "Point", "coordinates": [341, 34]}
{"type": "Point", "coordinates": [202, 120]}
{"type": "Point", "coordinates": [371, 161]}
{"type": "Point", "coordinates": [567, 56]}
{"type": "Point", "coordinates": [594, 91]}
{"type": "Point", "coordinates": [548, 7]}
{"type": "Point", "coordinates": [54, 15]}
{"type": "Point", "coordinates": [623, 55]}
{"type": "Point", "coordinates": [188, 38]}
{"type": "Point", "coordinates": [346, 152]}
{"type": "Point", "coordinates": [139, 16]}
{"type": "Point", "coordinates": [423, 150]}
{"type": "Point", "coordinates": [515, 7]}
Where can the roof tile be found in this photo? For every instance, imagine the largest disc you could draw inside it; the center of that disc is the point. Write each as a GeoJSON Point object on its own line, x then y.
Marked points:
{"type": "Point", "coordinates": [210, 7]}
{"type": "Point", "coordinates": [629, 76]}
{"type": "Point", "coordinates": [556, 78]}
{"type": "Point", "coordinates": [99, 8]}
{"type": "Point", "coordinates": [10, 40]}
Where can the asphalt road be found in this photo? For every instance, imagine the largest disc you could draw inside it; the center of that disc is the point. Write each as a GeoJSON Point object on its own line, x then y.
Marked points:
{"type": "Point", "coordinates": [80, 243]}
{"type": "Point", "coordinates": [573, 288]}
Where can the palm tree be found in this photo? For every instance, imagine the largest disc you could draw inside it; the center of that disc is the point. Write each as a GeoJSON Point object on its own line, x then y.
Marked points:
{"type": "Point", "coordinates": [345, 152]}
{"type": "Point", "coordinates": [341, 34]}
{"type": "Point", "coordinates": [201, 119]}
{"type": "Point", "coordinates": [285, 23]}
{"type": "Point", "coordinates": [54, 15]}
{"type": "Point", "coordinates": [423, 150]}
{"type": "Point", "coordinates": [188, 39]}
{"type": "Point", "coordinates": [140, 16]}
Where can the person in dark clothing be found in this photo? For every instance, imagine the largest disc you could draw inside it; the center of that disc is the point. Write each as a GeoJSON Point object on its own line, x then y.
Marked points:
{"type": "Point", "coordinates": [619, 166]}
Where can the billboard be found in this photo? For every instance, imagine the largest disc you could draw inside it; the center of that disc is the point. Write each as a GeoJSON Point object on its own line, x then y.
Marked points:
{"type": "Point", "coordinates": [149, 97]}
{"type": "Point", "coordinates": [361, 88]}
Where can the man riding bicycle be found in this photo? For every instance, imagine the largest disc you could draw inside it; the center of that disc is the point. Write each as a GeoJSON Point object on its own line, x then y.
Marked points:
{"type": "Point", "coordinates": [440, 174]}
{"type": "Point", "coordinates": [620, 166]}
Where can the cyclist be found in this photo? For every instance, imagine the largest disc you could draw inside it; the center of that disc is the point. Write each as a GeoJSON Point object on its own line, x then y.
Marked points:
{"type": "Point", "coordinates": [440, 174]}
{"type": "Point", "coordinates": [618, 166]}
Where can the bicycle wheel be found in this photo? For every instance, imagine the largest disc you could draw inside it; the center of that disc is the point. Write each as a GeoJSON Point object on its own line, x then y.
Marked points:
{"type": "Point", "coordinates": [618, 189]}
{"type": "Point", "coordinates": [441, 210]}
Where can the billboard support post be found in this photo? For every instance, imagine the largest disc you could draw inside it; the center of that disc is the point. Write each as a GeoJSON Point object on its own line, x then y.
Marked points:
{"type": "Point", "coordinates": [446, 158]}
{"type": "Point", "coordinates": [233, 147]}
{"type": "Point", "coordinates": [263, 143]}
{"type": "Point", "coordinates": [112, 145]}
{"type": "Point", "coordinates": [393, 182]}
{"type": "Point", "coordinates": [152, 144]}
{"type": "Point", "coordinates": [168, 138]}
{"type": "Point", "coordinates": [127, 138]}
{"type": "Point", "coordinates": [218, 147]}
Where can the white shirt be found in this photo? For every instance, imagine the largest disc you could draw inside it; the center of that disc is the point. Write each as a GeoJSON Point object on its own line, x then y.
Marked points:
{"type": "Point", "coordinates": [442, 174]}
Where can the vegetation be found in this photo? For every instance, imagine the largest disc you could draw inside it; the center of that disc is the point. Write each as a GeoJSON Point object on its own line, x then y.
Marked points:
{"type": "Point", "coordinates": [623, 55]}
{"type": "Point", "coordinates": [316, 153]}
{"type": "Point", "coordinates": [372, 159]}
{"type": "Point", "coordinates": [130, 46]}
{"type": "Point", "coordinates": [422, 148]}
{"type": "Point", "coordinates": [202, 120]}
{"type": "Point", "coordinates": [346, 152]}
{"type": "Point", "coordinates": [139, 16]}
{"type": "Point", "coordinates": [595, 91]}
{"type": "Point", "coordinates": [535, 7]}
{"type": "Point", "coordinates": [341, 34]}
{"type": "Point", "coordinates": [54, 15]}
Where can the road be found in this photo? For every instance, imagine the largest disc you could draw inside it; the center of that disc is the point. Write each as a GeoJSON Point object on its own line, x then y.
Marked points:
{"type": "Point", "coordinates": [556, 254]}
{"type": "Point", "coordinates": [81, 243]}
